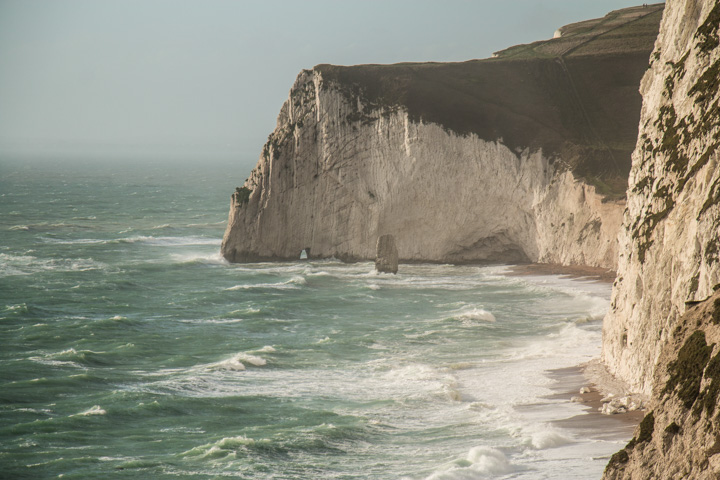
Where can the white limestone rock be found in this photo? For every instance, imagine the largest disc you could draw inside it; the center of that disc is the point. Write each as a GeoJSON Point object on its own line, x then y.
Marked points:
{"type": "Point", "coordinates": [335, 174]}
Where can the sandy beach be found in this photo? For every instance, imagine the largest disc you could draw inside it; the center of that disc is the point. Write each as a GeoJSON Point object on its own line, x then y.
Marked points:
{"type": "Point", "coordinates": [570, 271]}
{"type": "Point", "coordinates": [569, 381]}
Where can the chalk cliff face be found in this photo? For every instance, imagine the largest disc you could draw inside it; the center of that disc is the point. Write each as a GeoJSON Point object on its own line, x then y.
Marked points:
{"type": "Point", "coordinates": [669, 244]}
{"type": "Point", "coordinates": [334, 185]}
{"type": "Point", "coordinates": [509, 159]}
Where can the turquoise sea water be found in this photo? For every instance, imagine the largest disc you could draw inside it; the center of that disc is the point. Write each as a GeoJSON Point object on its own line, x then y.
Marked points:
{"type": "Point", "coordinates": [130, 349]}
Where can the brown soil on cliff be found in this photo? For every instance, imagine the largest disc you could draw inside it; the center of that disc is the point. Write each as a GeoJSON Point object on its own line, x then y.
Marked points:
{"type": "Point", "coordinates": [575, 96]}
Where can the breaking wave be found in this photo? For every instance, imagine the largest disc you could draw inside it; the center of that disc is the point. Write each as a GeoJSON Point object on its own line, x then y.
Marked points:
{"type": "Point", "coordinates": [28, 265]}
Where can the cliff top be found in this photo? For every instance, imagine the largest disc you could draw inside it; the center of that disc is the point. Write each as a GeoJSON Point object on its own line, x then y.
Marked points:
{"type": "Point", "coordinates": [618, 32]}
{"type": "Point", "coordinates": [575, 96]}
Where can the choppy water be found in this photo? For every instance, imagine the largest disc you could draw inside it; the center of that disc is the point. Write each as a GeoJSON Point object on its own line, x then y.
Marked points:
{"type": "Point", "coordinates": [130, 349]}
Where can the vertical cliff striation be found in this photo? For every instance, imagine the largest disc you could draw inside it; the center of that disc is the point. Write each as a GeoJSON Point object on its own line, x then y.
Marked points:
{"type": "Point", "coordinates": [523, 157]}
{"type": "Point", "coordinates": [669, 245]}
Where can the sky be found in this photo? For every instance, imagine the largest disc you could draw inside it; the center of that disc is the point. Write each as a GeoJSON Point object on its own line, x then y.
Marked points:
{"type": "Point", "coordinates": [205, 79]}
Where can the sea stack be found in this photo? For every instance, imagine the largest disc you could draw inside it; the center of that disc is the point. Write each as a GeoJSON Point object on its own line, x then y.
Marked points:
{"type": "Point", "coordinates": [386, 260]}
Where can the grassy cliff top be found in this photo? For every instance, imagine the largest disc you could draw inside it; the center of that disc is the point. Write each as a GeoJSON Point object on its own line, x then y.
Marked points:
{"type": "Point", "coordinates": [618, 32]}
{"type": "Point", "coordinates": [575, 96]}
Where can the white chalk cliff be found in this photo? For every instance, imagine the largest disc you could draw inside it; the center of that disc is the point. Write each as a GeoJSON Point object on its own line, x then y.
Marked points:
{"type": "Point", "coordinates": [454, 171]}
{"type": "Point", "coordinates": [662, 335]}
{"type": "Point", "coordinates": [333, 178]}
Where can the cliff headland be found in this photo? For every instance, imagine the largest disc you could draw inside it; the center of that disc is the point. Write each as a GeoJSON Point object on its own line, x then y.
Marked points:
{"type": "Point", "coordinates": [522, 157]}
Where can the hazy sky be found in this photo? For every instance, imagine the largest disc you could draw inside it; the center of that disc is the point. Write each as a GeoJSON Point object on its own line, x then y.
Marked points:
{"type": "Point", "coordinates": [206, 78]}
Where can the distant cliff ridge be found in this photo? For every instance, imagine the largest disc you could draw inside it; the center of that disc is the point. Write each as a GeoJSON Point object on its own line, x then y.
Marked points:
{"type": "Point", "coordinates": [522, 157]}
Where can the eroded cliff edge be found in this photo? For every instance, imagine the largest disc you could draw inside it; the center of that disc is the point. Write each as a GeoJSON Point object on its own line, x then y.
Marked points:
{"type": "Point", "coordinates": [523, 157]}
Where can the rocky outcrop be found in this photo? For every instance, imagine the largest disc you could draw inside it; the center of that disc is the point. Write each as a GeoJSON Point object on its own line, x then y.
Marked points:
{"type": "Point", "coordinates": [679, 438]}
{"type": "Point", "coordinates": [386, 259]}
{"type": "Point", "coordinates": [517, 158]}
{"type": "Point", "coordinates": [669, 245]}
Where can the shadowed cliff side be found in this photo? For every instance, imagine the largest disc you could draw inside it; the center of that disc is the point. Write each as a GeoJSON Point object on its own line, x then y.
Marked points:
{"type": "Point", "coordinates": [575, 97]}
{"type": "Point", "coordinates": [522, 157]}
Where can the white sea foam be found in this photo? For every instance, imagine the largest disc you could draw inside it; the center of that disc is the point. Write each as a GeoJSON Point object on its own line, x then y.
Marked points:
{"type": "Point", "coordinates": [251, 359]}
{"type": "Point", "coordinates": [549, 437]}
{"type": "Point", "coordinates": [480, 462]}
{"type": "Point", "coordinates": [291, 284]}
{"type": "Point", "coordinates": [319, 273]}
{"type": "Point", "coordinates": [78, 241]}
{"type": "Point", "coordinates": [117, 459]}
{"type": "Point", "coordinates": [172, 241]}
{"type": "Point", "coordinates": [421, 381]}
{"type": "Point", "coordinates": [52, 358]}
{"type": "Point", "coordinates": [221, 448]}
{"type": "Point", "coordinates": [54, 363]}
{"type": "Point", "coordinates": [213, 321]}
{"type": "Point", "coordinates": [28, 265]}
{"type": "Point", "coordinates": [95, 410]}
{"type": "Point", "coordinates": [266, 349]}
{"type": "Point", "coordinates": [233, 364]}
{"type": "Point", "coordinates": [201, 258]}
{"type": "Point", "coordinates": [209, 224]}
{"type": "Point", "coordinates": [21, 307]}
{"type": "Point", "coordinates": [237, 362]}
{"type": "Point", "coordinates": [571, 341]}
{"type": "Point", "coordinates": [426, 333]}
{"type": "Point", "coordinates": [474, 314]}
{"type": "Point", "coordinates": [34, 410]}
{"type": "Point", "coordinates": [64, 353]}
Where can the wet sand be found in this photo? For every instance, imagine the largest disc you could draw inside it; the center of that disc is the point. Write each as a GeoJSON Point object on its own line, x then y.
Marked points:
{"type": "Point", "coordinates": [569, 381]}
{"type": "Point", "coordinates": [570, 271]}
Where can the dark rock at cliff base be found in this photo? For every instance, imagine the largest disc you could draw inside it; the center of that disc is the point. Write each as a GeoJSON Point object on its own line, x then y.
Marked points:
{"type": "Point", "coordinates": [386, 260]}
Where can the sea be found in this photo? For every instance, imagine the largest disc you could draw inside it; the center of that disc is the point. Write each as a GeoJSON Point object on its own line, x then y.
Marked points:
{"type": "Point", "coordinates": [129, 348]}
